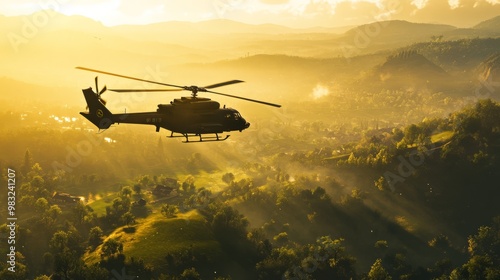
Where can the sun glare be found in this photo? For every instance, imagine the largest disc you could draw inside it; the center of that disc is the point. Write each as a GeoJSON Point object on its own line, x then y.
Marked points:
{"type": "Point", "coordinates": [454, 3]}
{"type": "Point", "coordinates": [419, 3]}
{"type": "Point", "coordinates": [320, 91]}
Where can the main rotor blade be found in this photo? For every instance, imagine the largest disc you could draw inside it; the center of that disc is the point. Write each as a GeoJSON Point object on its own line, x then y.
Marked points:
{"type": "Point", "coordinates": [126, 77]}
{"type": "Point", "coordinates": [224, 84]}
{"type": "Point", "coordinates": [247, 99]}
{"type": "Point", "coordinates": [143, 90]}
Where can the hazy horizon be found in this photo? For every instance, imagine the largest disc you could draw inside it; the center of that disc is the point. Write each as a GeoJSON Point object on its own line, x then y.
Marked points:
{"type": "Point", "coordinates": [295, 14]}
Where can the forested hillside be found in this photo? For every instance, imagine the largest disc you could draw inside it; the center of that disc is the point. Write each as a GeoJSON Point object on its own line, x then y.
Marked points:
{"type": "Point", "coordinates": [417, 202]}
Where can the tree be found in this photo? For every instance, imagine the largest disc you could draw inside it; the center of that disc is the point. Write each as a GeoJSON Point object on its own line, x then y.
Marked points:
{"type": "Point", "coordinates": [478, 267]}
{"type": "Point", "coordinates": [128, 218]}
{"type": "Point", "coordinates": [81, 213]}
{"type": "Point", "coordinates": [37, 186]}
{"type": "Point", "coordinates": [27, 163]}
{"type": "Point", "coordinates": [188, 184]}
{"type": "Point", "coordinates": [331, 260]}
{"type": "Point", "coordinates": [59, 242]}
{"type": "Point", "coordinates": [278, 263]}
{"type": "Point", "coordinates": [228, 223]}
{"type": "Point", "coordinates": [95, 272]}
{"type": "Point", "coordinates": [411, 133]}
{"type": "Point", "coordinates": [486, 241]}
{"type": "Point", "coordinates": [111, 247]}
{"type": "Point", "coordinates": [27, 200]}
{"type": "Point", "coordinates": [138, 189]}
{"type": "Point", "coordinates": [397, 134]}
{"type": "Point", "coordinates": [440, 242]}
{"type": "Point", "coordinates": [41, 205]}
{"type": "Point", "coordinates": [381, 183]}
{"type": "Point", "coordinates": [169, 210]}
{"type": "Point", "coordinates": [119, 206]}
{"type": "Point", "coordinates": [95, 236]}
{"type": "Point", "coordinates": [378, 272]}
{"type": "Point", "coordinates": [281, 239]}
{"type": "Point", "coordinates": [145, 181]}
{"type": "Point", "coordinates": [21, 271]}
{"type": "Point", "coordinates": [126, 191]}
{"type": "Point", "coordinates": [381, 244]}
{"type": "Point", "coordinates": [53, 212]}
{"type": "Point", "coordinates": [484, 248]}
{"type": "Point", "coordinates": [228, 178]}
{"type": "Point", "coordinates": [190, 274]}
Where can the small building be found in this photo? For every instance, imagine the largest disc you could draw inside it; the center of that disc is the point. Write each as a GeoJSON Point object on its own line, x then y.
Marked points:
{"type": "Point", "coordinates": [65, 198]}
{"type": "Point", "coordinates": [163, 190]}
{"type": "Point", "coordinates": [171, 182]}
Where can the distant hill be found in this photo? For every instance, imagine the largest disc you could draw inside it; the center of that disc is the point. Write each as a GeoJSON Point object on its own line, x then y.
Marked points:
{"type": "Point", "coordinates": [409, 61]}
{"type": "Point", "coordinates": [271, 76]}
{"type": "Point", "coordinates": [458, 55]}
{"type": "Point", "coordinates": [400, 29]}
{"type": "Point", "coordinates": [223, 26]}
{"type": "Point", "coordinates": [22, 92]}
{"type": "Point", "coordinates": [409, 69]}
{"type": "Point", "coordinates": [386, 35]}
{"type": "Point", "coordinates": [491, 24]}
{"type": "Point", "coordinates": [278, 59]}
{"type": "Point", "coordinates": [52, 21]}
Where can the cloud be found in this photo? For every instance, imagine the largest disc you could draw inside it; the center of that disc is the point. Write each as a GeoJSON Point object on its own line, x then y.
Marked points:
{"type": "Point", "coordinates": [274, 2]}
{"type": "Point", "coordinates": [356, 13]}
{"type": "Point", "coordinates": [320, 7]}
{"type": "Point", "coordinates": [454, 3]}
{"type": "Point", "coordinates": [464, 14]}
{"type": "Point", "coordinates": [297, 13]}
{"type": "Point", "coordinates": [419, 3]}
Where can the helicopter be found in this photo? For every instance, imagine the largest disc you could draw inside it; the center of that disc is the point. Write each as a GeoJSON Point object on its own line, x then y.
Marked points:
{"type": "Point", "coordinates": [190, 116]}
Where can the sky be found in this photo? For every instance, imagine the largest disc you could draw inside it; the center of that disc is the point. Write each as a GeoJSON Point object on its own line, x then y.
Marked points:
{"type": "Point", "coordinates": [294, 13]}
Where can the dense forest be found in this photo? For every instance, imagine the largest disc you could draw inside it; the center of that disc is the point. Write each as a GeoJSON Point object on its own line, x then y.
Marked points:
{"type": "Point", "coordinates": [416, 202]}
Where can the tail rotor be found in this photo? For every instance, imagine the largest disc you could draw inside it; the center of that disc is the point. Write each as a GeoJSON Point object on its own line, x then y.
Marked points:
{"type": "Point", "coordinates": [99, 93]}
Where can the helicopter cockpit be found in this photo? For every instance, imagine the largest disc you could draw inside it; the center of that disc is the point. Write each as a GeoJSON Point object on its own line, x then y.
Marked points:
{"type": "Point", "coordinates": [234, 115]}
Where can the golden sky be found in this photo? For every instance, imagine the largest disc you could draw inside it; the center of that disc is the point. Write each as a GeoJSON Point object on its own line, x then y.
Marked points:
{"type": "Point", "coordinates": [297, 13]}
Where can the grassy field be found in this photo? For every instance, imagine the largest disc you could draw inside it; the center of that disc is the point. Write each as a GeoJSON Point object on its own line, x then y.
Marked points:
{"type": "Point", "coordinates": [442, 137]}
{"type": "Point", "coordinates": [152, 238]}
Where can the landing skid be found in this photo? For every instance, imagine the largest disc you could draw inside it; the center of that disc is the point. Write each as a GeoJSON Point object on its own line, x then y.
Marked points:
{"type": "Point", "coordinates": [201, 138]}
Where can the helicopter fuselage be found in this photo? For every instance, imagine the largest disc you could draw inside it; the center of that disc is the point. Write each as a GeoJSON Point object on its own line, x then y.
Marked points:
{"type": "Point", "coordinates": [187, 116]}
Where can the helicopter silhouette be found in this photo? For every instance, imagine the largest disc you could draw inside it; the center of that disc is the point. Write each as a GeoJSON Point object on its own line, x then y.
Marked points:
{"type": "Point", "coordinates": [190, 116]}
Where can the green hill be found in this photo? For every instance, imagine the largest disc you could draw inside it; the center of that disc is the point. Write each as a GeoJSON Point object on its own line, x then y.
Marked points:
{"type": "Point", "coordinates": [154, 237]}
{"type": "Point", "coordinates": [408, 69]}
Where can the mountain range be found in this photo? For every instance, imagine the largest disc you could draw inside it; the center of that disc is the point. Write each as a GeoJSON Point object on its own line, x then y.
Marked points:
{"type": "Point", "coordinates": [44, 49]}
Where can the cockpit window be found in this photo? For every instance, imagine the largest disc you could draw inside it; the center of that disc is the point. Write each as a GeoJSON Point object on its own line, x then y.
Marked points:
{"type": "Point", "coordinates": [233, 115]}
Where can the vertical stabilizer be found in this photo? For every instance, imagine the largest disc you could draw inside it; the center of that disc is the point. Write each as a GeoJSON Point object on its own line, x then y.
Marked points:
{"type": "Point", "coordinates": [98, 114]}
